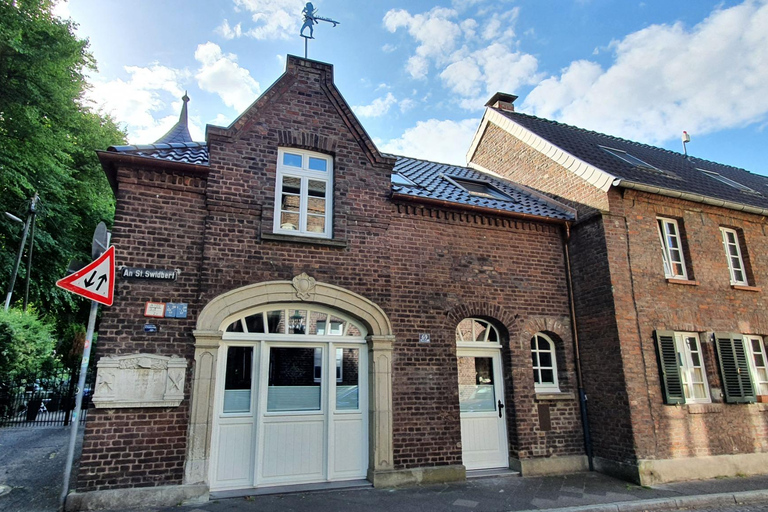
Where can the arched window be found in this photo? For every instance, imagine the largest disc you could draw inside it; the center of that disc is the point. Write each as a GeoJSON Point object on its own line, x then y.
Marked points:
{"type": "Point", "coordinates": [544, 364]}
{"type": "Point", "coordinates": [476, 330]}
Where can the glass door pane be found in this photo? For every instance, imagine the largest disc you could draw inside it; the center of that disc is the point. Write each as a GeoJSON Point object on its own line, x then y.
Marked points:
{"type": "Point", "coordinates": [237, 381]}
{"type": "Point", "coordinates": [347, 379]}
{"type": "Point", "coordinates": [476, 384]}
{"type": "Point", "coordinates": [294, 379]}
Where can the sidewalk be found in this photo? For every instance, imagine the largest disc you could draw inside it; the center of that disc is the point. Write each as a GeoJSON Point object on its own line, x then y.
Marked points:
{"type": "Point", "coordinates": [586, 491]}
{"type": "Point", "coordinates": [32, 465]}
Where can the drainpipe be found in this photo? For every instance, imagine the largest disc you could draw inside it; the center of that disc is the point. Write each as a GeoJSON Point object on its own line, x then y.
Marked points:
{"type": "Point", "coordinates": [575, 330]}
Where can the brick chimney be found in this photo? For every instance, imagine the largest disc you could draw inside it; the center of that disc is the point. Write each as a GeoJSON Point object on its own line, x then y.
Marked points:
{"type": "Point", "coordinates": [502, 101]}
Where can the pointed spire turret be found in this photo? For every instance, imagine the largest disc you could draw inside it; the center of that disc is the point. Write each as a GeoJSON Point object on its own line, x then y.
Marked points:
{"type": "Point", "coordinates": [180, 131]}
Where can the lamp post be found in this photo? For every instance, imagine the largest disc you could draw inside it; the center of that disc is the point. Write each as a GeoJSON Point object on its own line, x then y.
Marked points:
{"type": "Point", "coordinates": [30, 217]}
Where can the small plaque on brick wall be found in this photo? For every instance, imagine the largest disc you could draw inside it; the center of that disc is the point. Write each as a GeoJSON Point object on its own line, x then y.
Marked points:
{"type": "Point", "coordinates": [148, 273]}
{"type": "Point", "coordinates": [424, 338]}
{"type": "Point", "coordinates": [154, 309]}
{"type": "Point", "coordinates": [139, 380]}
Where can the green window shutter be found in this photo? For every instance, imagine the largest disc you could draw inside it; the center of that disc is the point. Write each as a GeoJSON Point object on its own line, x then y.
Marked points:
{"type": "Point", "coordinates": [669, 367]}
{"type": "Point", "coordinates": [737, 383]}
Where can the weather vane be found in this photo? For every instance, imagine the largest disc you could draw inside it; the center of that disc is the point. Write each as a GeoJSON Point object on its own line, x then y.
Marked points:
{"type": "Point", "coordinates": [310, 19]}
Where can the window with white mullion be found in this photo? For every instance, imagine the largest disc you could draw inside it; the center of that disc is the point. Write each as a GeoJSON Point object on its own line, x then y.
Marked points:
{"type": "Point", "coordinates": [692, 370]}
{"type": "Point", "coordinates": [733, 253]}
{"type": "Point", "coordinates": [758, 364]}
{"type": "Point", "coordinates": [672, 249]}
{"type": "Point", "coordinates": [304, 187]}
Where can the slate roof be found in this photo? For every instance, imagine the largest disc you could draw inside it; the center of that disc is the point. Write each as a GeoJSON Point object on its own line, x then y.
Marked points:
{"type": "Point", "coordinates": [182, 152]}
{"type": "Point", "coordinates": [180, 131]}
{"type": "Point", "coordinates": [673, 170]}
{"type": "Point", "coordinates": [429, 182]}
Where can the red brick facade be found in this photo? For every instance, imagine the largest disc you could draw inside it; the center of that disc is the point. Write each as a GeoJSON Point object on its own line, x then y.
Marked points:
{"type": "Point", "coordinates": [622, 297]}
{"type": "Point", "coordinates": [426, 267]}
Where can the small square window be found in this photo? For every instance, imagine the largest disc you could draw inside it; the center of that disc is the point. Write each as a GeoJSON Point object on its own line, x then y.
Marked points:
{"type": "Point", "coordinates": [630, 159]}
{"type": "Point", "coordinates": [480, 189]}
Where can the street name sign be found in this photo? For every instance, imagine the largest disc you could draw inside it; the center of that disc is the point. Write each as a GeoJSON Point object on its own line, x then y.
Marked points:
{"type": "Point", "coordinates": [96, 281]}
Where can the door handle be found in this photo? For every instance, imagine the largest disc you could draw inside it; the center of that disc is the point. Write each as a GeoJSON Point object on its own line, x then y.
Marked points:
{"type": "Point", "coordinates": [501, 406]}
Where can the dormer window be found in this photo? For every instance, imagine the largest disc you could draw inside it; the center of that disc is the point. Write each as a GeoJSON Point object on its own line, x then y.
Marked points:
{"type": "Point", "coordinates": [479, 188]}
{"type": "Point", "coordinates": [729, 182]}
{"type": "Point", "coordinates": [629, 158]}
{"type": "Point", "coordinates": [304, 191]}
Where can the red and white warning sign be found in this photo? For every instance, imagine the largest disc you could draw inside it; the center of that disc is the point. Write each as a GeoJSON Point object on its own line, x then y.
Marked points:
{"type": "Point", "coordinates": [95, 281]}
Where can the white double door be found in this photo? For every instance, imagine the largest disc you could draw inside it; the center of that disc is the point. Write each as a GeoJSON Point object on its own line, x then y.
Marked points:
{"type": "Point", "coordinates": [481, 400]}
{"type": "Point", "coordinates": [306, 421]}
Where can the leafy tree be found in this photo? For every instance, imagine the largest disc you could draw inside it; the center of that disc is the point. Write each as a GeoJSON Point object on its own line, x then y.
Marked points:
{"type": "Point", "coordinates": [26, 344]}
{"type": "Point", "coordinates": [48, 138]}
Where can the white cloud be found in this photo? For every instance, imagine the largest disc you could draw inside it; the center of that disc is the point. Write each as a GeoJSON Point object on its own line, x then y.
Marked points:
{"type": "Point", "coordinates": [435, 32]}
{"type": "Point", "coordinates": [388, 48]}
{"type": "Point", "coordinates": [438, 140]}
{"type": "Point", "coordinates": [228, 32]}
{"type": "Point", "coordinates": [377, 108]}
{"type": "Point", "coordinates": [669, 78]}
{"type": "Point", "coordinates": [220, 73]}
{"type": "Point", "coordinates": [222, 120]}
{"type": "Point", "coordinates": [274, 19]}
{"type": "Point", "coordinates": [406, 104]}
{"type": "Point", "coordinates": [137, 101]}
{"type": "Point", "coordinates": [61, 9]}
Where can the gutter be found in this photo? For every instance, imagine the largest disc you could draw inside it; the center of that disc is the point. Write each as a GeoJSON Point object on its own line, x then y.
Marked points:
{"type": "Point", "coordinates": [439, 203]}
{"type": "Point", "coordinates": [577, 352]}
{"type": "Point", "coordinates": [696, 198]}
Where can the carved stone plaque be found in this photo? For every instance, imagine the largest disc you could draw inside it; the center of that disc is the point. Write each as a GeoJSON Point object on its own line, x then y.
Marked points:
{"type": "Point", "coordinates": [139, 380]}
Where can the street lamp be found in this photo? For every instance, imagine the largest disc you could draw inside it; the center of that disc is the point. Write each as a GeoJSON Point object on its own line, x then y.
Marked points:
{"type": "Point", "coordinates": [30, 221]}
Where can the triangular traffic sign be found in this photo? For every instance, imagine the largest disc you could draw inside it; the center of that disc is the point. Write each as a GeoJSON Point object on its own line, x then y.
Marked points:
{"type": "Point", "coordinates": [96, 281]}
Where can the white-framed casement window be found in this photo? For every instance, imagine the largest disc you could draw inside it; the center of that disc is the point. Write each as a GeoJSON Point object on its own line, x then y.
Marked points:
{"type": "Point", "coordinates": [733, 254]}
{"type": "Point", "coordinates": [544, 362]}
{"type": "Point", "coordinates": [692, 373]}
{"type": "Point", "coordinates": [671, 249]}
{"type": "Point", "coordinates": [304, 193]}
{"type": "Point", "coordinates": [757, 363]}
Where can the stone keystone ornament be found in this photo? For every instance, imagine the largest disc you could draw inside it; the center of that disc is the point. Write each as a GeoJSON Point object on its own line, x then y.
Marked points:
{"type": "Point", "coordinates": [310, 20]}
{"type": "Point", "coordinates": [305, 286]}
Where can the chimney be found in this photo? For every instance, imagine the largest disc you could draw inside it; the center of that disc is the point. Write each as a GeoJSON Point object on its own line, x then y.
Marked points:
{"type": "Point", "coordinates": [502, 101]}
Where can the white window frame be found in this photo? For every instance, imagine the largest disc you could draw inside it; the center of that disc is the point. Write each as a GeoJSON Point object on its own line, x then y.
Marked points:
{"type": "Point", "coordinates": [339, 357]}
{"type": "Point", "coordinates": [761, 385]}
{"type": "Point", "coordinates": [545, 387]}
{"type": "Point", "coordinates": [733, 252]}
{"type": "Point", "coordinates": [687, 367]}
{"type": "Point", "coordinates": [666, 238]}
{"type": "Point", "coordinates": [304, 174]}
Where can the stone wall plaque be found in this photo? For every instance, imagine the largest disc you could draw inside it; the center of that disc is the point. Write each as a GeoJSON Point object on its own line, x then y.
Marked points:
{"type": "Point", "coordinates": [139, 380]}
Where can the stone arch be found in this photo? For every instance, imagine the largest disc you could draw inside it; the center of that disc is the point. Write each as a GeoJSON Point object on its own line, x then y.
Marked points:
{"type": "Point", "coordinates": [301, 289]}
{"type": "Point", "coordinates": [498, 314]}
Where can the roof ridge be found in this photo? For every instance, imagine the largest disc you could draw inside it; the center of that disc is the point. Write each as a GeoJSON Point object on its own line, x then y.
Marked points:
{"type": "Point", "coordinates": [392, 155]}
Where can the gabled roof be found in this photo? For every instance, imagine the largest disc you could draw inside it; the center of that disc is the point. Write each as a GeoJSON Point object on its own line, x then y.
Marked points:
{"type": "Point", "coordinates": [438, 181]}
{"type": "Point", "coordinates": [667, 173]}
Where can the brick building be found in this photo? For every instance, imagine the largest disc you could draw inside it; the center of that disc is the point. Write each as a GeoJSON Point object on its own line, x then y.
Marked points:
{"type": "Point", "coordinates": [349, 315]}
{"type": "Point", "coordinates": [669, 265]}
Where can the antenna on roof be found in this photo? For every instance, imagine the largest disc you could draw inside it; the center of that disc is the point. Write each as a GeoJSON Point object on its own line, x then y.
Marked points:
{"type": "Point", "coordinates": [686, 140]}
{"type": "Point", "coordinates": [310, 19]}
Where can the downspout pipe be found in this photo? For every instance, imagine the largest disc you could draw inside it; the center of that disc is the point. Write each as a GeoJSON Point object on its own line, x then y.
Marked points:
{"type": "Point", "coordinates": [576, 351]}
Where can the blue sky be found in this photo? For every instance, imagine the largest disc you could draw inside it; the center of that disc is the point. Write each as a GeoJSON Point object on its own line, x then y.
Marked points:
{"type": "Point", "coordinates": [417, 73]}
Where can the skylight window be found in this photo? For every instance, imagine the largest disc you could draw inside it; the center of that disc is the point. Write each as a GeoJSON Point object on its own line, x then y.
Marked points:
{"type": "Point", "coordinates": [399, 179]}
{"type": "Point", "coordinates": [728, 181]}
{"type": "Point", "coordinates": [630, 159]}
{"type": "Point", "coordinates": [481, 189]}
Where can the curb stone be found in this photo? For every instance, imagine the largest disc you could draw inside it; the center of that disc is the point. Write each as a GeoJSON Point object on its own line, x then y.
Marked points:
{"type": "Point", "coordinates": [702, 500]}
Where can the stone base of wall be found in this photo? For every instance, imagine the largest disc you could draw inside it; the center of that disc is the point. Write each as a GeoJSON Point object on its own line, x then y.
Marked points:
{"type": "Point", "coordinates": [431, 475]}
{"type": "Point", "coordinates": [650, 472]}
{"type": "Point", "coordinates": [115, 499]}
{"type": "Point", "coordinates": [550, 465]}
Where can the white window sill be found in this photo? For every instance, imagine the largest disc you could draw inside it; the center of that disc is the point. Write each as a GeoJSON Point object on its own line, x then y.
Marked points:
{"type": "Point", "coordinates": [276, 237]}
{"type": "Point", "coordinates": [554, 395]}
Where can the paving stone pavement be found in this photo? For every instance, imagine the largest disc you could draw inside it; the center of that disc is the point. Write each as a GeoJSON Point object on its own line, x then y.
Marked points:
{"type": "Point", "coordinates": [32, 463]}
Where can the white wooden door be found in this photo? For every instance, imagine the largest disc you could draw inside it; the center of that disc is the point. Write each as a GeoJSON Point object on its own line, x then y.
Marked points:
{"type": "Point", "coordinates": [481, 399]}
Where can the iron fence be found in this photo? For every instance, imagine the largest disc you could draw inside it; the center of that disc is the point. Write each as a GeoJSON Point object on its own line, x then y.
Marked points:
{"type": "Point", "coordinates": [45, 399]}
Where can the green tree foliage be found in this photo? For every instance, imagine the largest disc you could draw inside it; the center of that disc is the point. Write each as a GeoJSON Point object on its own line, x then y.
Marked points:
{"type": "Point", "coordinates": [48, 139]}
{"type": "Point", "coordinates": [26, 344]}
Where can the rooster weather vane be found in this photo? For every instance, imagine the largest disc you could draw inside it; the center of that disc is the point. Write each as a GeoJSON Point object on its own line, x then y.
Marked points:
{"type": "Point", "coordinates": [310, 19]}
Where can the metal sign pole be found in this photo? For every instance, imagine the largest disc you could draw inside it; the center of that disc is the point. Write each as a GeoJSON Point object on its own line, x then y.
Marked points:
{"type": "Point", "coordinates": [75, 423]}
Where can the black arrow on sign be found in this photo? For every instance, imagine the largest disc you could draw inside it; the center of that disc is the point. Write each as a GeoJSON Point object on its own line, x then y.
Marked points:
{"type": "Point", "coordinates": [102, 280]}
{"type": "Point", "coordinates": [88, 282]}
